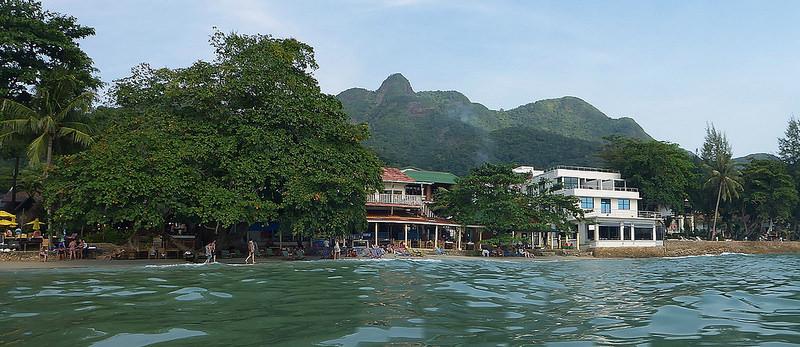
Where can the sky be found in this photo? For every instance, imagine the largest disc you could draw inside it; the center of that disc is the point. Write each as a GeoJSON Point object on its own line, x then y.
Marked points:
{"type": "Point", "coordinates": [673, 66]}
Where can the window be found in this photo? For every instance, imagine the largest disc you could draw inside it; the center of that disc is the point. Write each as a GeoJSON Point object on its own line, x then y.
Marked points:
{"type": "Point", "coordinates": [624, 204]}
{"type": "Point", "coordinates": [587, 203]}
{"type": "Point", "coordinates": [570, 182]}
{"type": "Point", "coordinates": [605, 206]}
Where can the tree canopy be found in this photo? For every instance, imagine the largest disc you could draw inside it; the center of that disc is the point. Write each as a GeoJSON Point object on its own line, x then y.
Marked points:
{"type": "Point", "coordinates": [662, 171]}
{"type": "Point", "coordinates": [492, 195]}
{"type": "Point", "coordinates": [35, 41]}
{"type": "Point", "coordinates": [248, 137]}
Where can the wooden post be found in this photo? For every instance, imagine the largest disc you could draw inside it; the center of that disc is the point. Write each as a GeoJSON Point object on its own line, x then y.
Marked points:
{"type": "Point", "coordinates": [578, 237]}
{"type": "Point", "coordinates": [436, 237]}
{"type": "Point", "coordinates": [376, 233]}
{"type": "Point", "coordinates": [654, 233]}
{"type": "Point", "coordinates": [459, 238]}
{"type": "Point", "coordinates": [405, 234]}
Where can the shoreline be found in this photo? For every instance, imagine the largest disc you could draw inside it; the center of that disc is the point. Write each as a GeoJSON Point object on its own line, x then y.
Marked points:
{"type": "Point", "coordinates": [672, 249]}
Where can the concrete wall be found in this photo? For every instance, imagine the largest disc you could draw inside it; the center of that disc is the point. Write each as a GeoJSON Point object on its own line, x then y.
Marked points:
{"type": "Point", "coordinates": [674, 248]}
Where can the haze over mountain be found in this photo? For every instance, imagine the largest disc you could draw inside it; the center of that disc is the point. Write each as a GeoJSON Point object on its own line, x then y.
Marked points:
{"type": "Point", "coordinates": [444, 130]}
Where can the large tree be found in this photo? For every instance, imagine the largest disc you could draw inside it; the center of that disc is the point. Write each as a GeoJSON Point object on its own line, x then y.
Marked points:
{"type": "Point", "coordinates": [789, 151]}
{"type": "Point", "coordinates": [492, 196]}
{"type": "Point", "coordinates": [769, 191]}
{"type": "Point", "coordinates": [789, 145]}
{"type": "Point", "coordinates": [721, 172]}
{"type": "Point", "coordinates": [248, 137]}
{"type": "Point", "coordinates": [662, 171]}
{"type": "Point", "coordinates": [34, 41]}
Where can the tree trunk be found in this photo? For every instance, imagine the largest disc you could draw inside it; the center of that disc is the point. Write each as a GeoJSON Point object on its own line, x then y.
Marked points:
{"type": "Point", "coordinates": [14, 182]}
{"type": "Point", "coordinates": [49, 151]}
{"type": "Point", "coordinates": [716, 213]}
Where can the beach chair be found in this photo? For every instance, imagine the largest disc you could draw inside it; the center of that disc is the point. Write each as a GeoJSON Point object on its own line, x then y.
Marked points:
{"type": "Point", "coordinates": [439, 251]}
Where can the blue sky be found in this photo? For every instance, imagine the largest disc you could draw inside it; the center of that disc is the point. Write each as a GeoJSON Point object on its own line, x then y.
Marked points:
{"type": "Point", "coordinates": [671, 65]}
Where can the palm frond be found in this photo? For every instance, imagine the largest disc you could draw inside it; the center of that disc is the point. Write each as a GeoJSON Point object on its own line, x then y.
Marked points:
{"type": "Point", "coordinates": [36, 149]}
{"type": "Point", "coordinates": [79, 126]}
{"type": "Point", "coordinates": [78, 137]}
{"type": "Point", "coordinates": [14, 110]}
{"type": "Point", "coordinates": [20, 126]}
{"type": "Point", "coordinates": [80, 103]}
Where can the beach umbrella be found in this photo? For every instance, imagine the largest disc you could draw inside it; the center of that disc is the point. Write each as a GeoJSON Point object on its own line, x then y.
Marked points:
{"type": "Point", "coordinates": [7, 223]}
{"type": "Point", "coordinates": [37, 225]}
{"type": "Point", "coordinates": [4, 214]}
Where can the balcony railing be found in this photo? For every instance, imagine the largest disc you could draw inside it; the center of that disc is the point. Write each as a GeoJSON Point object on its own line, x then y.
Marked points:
{"type": "Point", "coordinates": [580, 168]}
{"type": "Point", "coordinates": [395, 199]}
{"type": "Point", "coordinates": [649, 214]}
{"type": "Point", "coordinates": [596, 187]}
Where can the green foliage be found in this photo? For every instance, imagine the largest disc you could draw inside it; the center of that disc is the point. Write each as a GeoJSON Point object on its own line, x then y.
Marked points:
{"type": "Point", "coordinates": [662, 171]}
{"type": "Point", "coordinates": [38, 41]}
{"type": "Point", "coordinates": [56, 115]}
{"type": "Point", "coordinates": [248, 137]}
{"type": "Point", "coordinates": [789, 145]}
{"type": "Point", "coordinates": [769, 190]}
{"type": "Point", "coordinates": [444, 130]}
{"type": "Point", "coordinates": [491, 196]}
{"type": "Point", "coordinates": [721, 171]}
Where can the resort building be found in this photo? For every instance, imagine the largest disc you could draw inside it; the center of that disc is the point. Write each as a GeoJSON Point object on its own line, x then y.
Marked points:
{"type": "Point", "coordinates": [401, 212]}
{"type": "Point", "coordinates": [612, 215]}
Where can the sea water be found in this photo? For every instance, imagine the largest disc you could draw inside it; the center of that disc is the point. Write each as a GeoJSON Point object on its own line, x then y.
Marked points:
{"type": "Point", "coordinates": [722, 300]}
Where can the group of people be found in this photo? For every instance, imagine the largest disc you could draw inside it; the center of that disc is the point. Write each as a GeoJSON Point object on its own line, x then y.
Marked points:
{"type": "Point", "coordinates": [73, 250]}
{"type": "Point", "coordinates": [499, 251]}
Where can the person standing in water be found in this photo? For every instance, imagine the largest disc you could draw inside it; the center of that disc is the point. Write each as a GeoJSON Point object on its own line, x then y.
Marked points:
{"type": "Point", "coordinates": [251, 250]}
{"type": "Point", "coordinates": [209, 252]}
{"type": "Point", "coordinates": [337, 250]}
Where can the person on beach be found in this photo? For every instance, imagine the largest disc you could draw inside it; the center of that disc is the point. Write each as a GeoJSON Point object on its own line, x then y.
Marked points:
{"type": "Point", "coordinates": [210, 252]}
{"type": "Point", "coordinates": [72, 246]}
{"type": "Point", "coordinates": [251, 253]}
{"type": "Point", "coordinates": [43, 252]}
{"type": "Point", "coordinates": [337, 250]}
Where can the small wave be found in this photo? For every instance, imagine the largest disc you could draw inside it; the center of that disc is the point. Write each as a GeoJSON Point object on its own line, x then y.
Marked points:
{"type": "Point", "coordinates": [177, 265]}
{"type": "Point", "coordinates": [705, 255]}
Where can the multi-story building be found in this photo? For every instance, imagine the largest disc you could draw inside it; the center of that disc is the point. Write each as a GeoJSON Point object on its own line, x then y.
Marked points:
{"type": "Point", "coordinates": [401, 211]}
{"type": "Point", "coordinates": [612, 216]}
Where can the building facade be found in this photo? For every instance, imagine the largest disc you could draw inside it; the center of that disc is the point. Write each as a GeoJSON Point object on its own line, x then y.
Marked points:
{"type": "Point", "coordinates": [401, 212]}
{"type": "Point", "coordinates": [612, 217]}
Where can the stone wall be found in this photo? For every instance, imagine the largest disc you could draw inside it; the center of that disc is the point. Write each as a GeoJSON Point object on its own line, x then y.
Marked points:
{"type": "Point", "coordinates": [19, 256]}
{"type": "Point", "coordinates": [676, 248]}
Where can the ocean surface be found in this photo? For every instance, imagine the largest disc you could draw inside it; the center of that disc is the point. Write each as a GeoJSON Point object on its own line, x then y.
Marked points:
{"type": "Point", "coordinates": [727, 300]}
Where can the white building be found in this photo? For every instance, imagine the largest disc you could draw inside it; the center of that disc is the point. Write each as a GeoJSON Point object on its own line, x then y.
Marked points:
{"type": "Point", "coordinates": [612, 217]}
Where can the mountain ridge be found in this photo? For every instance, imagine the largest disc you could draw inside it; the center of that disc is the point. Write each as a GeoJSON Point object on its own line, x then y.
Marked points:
{"type": "Point", "coordinates": [445, 130]}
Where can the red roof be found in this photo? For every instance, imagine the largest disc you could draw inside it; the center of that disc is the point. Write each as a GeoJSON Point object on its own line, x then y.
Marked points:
{"type": "Point", "coordinates": [395, 175]}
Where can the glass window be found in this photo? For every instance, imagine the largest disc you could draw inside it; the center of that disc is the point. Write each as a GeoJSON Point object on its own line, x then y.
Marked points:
{"type": "Point", "coordinates": [587, 203]}
{"type": "Point", "coordinates": [624, 204]}
{"type": "Point", "coordinates": [570, 182]}
{"type": "Point", "coordinates": [605, 206]}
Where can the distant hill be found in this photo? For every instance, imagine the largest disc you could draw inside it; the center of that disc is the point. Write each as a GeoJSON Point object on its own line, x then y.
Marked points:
{"type": "Point", "coordinates": [755, 156]}
{"type": "Point", "coordinates": [444, 130]}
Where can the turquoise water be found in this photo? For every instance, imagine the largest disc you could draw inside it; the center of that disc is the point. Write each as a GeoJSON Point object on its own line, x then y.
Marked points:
{"type": "Point", "coordinates": [716, 300]}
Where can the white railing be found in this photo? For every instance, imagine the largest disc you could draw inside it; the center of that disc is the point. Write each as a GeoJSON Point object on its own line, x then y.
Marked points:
{"type": "Point", "coordinates": [411, 200]}
{"type": "Point", "coordinates": [649, 214]}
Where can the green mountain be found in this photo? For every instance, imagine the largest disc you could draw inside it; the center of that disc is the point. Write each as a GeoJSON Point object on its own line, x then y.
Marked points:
{"type": "Point", "coordinates": [444, 130]}
{"type": "Point", "coordinates": [755, 156]}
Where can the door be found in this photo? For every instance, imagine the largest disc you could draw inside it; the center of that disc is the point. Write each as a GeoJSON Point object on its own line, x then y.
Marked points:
{"type": "Point", "coordinates": [605, 206]}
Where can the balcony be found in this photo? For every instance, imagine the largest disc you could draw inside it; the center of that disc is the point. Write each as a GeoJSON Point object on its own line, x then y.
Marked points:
{"type": "Point", "coordinates": [623, 214]}
{"type": "Point", "coordinates": [650, 214]}
{"type": "Point", "coordinates": [395, 199]}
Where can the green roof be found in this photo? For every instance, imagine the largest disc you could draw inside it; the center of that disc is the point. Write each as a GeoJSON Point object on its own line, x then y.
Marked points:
{"type": "Point", "coordinates": [430, 176]}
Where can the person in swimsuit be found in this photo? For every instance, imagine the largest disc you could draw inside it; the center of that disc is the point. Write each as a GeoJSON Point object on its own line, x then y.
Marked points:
{"type": "Point", "coordinates": [251, 249]}
{"type": "Point", "coordinates": [337, 250]}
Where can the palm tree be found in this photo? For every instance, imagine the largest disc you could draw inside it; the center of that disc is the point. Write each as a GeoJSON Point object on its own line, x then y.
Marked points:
{"type": "Point", "coordinates": [724, 176]}
{"type": "Point", "coordinates": [55, 113]}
